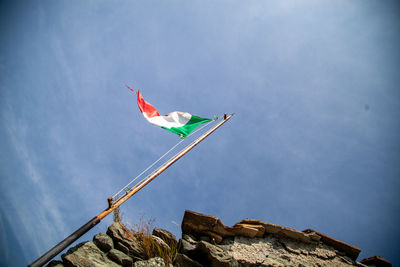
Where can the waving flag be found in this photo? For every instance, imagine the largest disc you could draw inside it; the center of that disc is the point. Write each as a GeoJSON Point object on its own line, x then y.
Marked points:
{"type": "Point", "coordinates": [181, 123]}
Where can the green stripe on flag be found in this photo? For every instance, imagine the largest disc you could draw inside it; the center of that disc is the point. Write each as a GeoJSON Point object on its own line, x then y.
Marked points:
{"type": "Point", "coordinates": [186, 129]}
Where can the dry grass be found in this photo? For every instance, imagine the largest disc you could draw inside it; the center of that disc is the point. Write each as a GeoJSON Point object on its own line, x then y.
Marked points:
{"type": "Point", "coordinates": [117, 215]}
{"type": "Point", "coordinates": [141, 235]}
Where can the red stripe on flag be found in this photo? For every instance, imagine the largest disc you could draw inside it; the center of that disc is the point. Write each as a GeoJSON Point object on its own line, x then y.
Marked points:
{"type": "Point", "coordinates": [146, 107]}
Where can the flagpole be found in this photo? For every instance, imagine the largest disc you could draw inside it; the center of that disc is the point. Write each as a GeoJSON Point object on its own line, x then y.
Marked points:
{"type": "Point", "coordinates": [113, 205]}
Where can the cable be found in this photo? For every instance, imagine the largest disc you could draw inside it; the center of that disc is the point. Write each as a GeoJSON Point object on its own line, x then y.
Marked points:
{"type": "Point", "coordinates": [155, 162]}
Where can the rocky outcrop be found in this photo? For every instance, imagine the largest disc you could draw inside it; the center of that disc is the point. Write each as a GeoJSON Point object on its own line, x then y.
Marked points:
{"type": "Point", "coordinates": [376, 261]}
{"type": "Point", "coordinates": [182, 260]}
{"type": "Point", "coordinates": [153, 262]}
{"type": "Point", "coordinates": [123, 242]}
{"type": "Point", "coordinates": [86, 254]}
{"type": "Point", "coordinates": [120, 257]}
{"type": "Point", "coordinates": [162, 245]}
{"type": "Point", "coordinates": [256, 243]}
{"type": "Point", "coordinates": [350, 251]}
{"type": "Point", "coordinates": [200, 224]}
{"type": "Point", "coordinates": [103, 242]}
{"type": "Point", "coordinates": [283, 231]}
{"type": "Point", "coordinates": [166, 236]}
{"type": "Point", "coordinates": [244, 245]}
{"type": "Point", "coordinates": [206, 241]}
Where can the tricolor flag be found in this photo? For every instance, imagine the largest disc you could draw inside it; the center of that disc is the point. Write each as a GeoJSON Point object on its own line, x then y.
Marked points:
{"type": "Point", "coordinates": [181, 123]}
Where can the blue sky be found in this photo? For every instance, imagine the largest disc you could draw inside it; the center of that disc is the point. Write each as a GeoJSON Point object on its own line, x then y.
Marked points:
{"type": "Point", "coordinates": [315, 142]}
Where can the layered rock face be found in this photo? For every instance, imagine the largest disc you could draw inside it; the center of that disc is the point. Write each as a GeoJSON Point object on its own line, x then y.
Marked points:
{"type": "Point", "coordinates": [115, 248]}
{"type": "Point", "coordinates": [206, 241]}
{"type": "Point", "coordinates": [256, 243]}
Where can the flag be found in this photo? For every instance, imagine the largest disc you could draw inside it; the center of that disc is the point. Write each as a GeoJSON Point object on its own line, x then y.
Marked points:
{"type": "Point", "coordinates": [181, 123]}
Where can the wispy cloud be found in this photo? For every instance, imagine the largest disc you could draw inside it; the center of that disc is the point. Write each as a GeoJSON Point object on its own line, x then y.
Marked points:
{"type": "Point", "coordinates": [47, 214]}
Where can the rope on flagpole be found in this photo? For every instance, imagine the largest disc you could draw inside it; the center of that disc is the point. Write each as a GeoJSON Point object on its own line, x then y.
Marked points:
{"type": "Point", "coordinates": [127, 188]}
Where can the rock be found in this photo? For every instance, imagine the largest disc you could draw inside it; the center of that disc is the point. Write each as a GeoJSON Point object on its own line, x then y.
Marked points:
{"type": "Point", "coordinates": [196, 224]}
{"type": "Point", "coordinates": [184, 261]}
{"type": "Point", "coordinates": [212, 237]}
{"type": "Point", "coordinates": [153, 262]}
{"type": "Point", "coordinates": [282, 231]}
{"type": "Point", "coordinates": [350, 251]}
{"type": "Point", "coordinates": [275, 261]}
{"type": "Point", "coordinates": [282, 251]}
{"type": "Point", "coordinates": [121, 247]}
{"type": "Point", "coordinates": [123, 241]}
{"type": "Point", "coordinates": [103, 242]}
{"type": "Point", "coordinates": [312, 235]}
{"type": "Point", "coordinates": [120, 258]}
{"type": "Point", "coordinates": [212, 255]}
{"type": "Point", "coordinates": [186, 247]}
{"type": "Point", "coordinates": [86, 254]}
{"type": "Point", "coordinates": [187, 244]}
{"type": "Point", "coordinates": [199, 224]}
{"type": "Point", "coordinates": [55, 263]}
{"type": "Point", "coordinates": [168, 237]}
{"type": "Point", "coordinates": [118, 232]}
{"type": "Point", "coordinates": [248, 230]}
{"type": "Point", "coordinates": [164, 246]}
{"type": "Point", "coordinates": [189, 238]}
{"type": "Point", "coordinates": [205, 238]}
{"type": "Point", "coordinates": [376, 261]}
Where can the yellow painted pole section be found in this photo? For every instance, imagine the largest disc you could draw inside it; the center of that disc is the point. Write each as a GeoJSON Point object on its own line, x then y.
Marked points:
{"type": "Point", "coordinates": [161, 169]}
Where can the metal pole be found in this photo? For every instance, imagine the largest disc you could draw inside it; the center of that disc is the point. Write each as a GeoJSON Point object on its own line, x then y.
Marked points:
{"type": "Point", "coordinates": [90, 224]}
